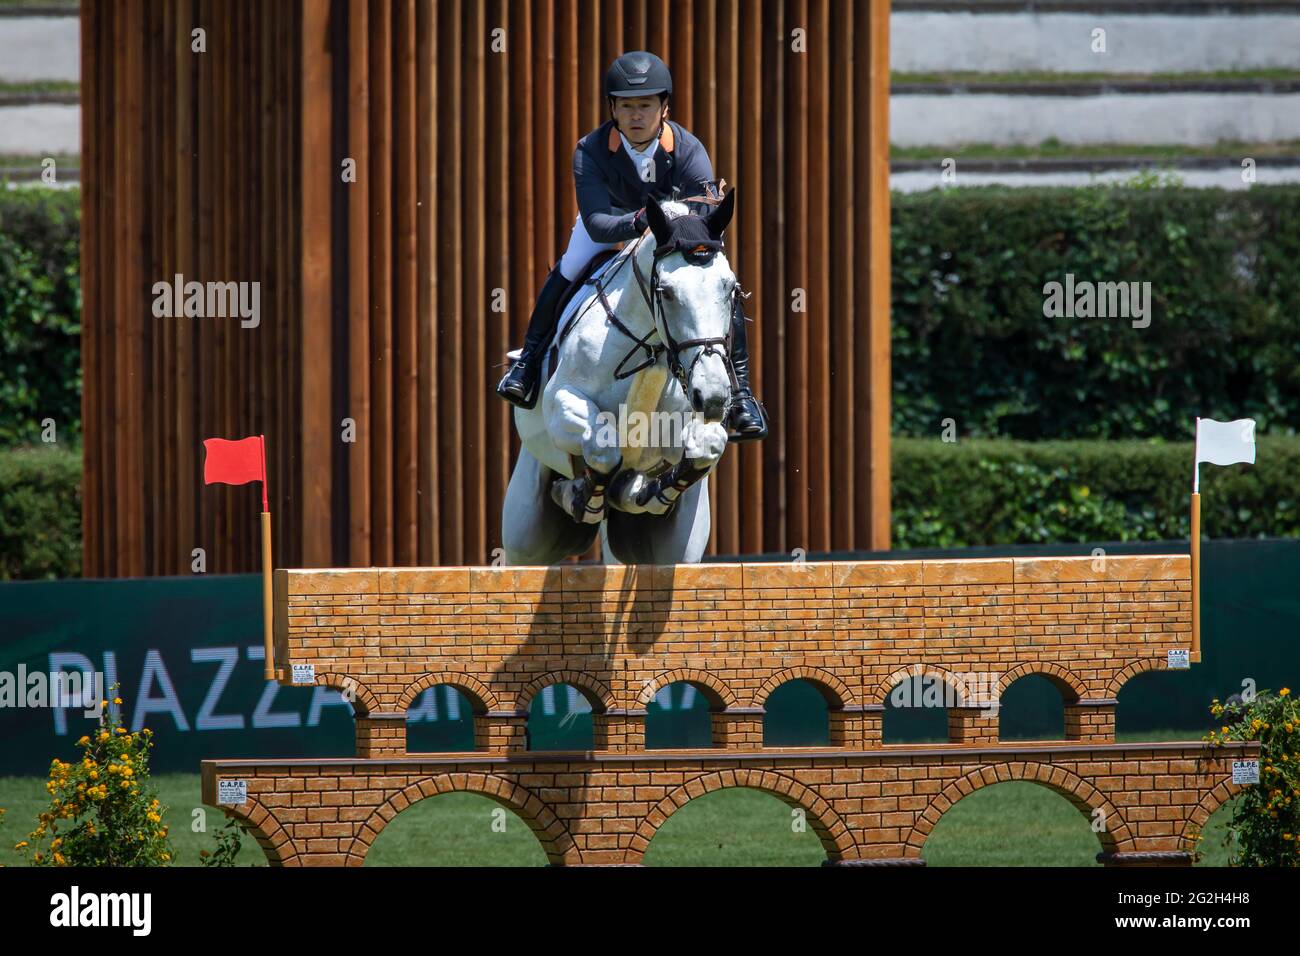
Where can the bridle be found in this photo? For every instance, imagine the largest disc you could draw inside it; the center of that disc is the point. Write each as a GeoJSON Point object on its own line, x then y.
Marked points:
{"type": "Point", "coordinates": [651, 291]}
{"type": "Point", "coordinates": [696, 252]}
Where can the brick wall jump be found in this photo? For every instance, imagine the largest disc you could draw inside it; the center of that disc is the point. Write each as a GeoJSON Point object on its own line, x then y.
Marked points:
{"type": "Point", "coordinates": [854, 630]}
{"type": "Point", "coordinates": [867, 808]}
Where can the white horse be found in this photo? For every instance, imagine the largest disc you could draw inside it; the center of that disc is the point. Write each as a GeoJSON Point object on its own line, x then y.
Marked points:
{"type": "Point", "coordinates": [630, 422]}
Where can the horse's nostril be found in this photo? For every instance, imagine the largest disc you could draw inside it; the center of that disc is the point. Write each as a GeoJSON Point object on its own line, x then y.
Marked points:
{"type": "Point", "coordinates": [697, 400]}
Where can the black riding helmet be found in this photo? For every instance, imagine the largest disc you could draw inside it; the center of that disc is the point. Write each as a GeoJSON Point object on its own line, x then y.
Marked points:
{"type": "Point", "coordinates": [638, 74]}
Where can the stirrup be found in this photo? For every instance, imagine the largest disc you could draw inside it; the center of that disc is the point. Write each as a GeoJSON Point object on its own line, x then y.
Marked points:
{"type": "Point", "coordinates": [756, 434]}
{"type": "Point", "coordinates": [529, 399]}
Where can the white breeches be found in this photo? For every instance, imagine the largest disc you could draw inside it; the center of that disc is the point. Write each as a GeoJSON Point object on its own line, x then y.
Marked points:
{"type": "Point", "coordinates": [582, 249]}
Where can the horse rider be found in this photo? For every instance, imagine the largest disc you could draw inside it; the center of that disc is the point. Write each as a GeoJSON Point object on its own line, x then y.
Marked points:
{"type": "Point", "coordinates": [634, 155]}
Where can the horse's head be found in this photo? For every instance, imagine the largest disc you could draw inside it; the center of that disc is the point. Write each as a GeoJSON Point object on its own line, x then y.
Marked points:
{"type": "Point", "coordinates": [693, 292]}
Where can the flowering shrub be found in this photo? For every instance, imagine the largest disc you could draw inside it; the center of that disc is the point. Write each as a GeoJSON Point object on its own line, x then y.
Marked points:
{"type": "Point", "coordinates": [103, 810]}
{"type": "Point", "coordinates": [1265, 826]}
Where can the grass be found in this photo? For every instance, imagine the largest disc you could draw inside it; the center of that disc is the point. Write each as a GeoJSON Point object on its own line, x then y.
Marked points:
{"type": "Point", "coordinates": [29, 87]}
{"type": "Point", "coordinates": [1010, 824]}
{"type": "Point", "coordinates": [1052, 149]}
{"type": "Point", "coordinates": [26, 160]}
{"type": "Point", "coordinates": [971, 76]}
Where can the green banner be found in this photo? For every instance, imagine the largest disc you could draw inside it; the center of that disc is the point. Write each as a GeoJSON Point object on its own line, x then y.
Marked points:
{"type": "Point", "coordinates": [187, 653]}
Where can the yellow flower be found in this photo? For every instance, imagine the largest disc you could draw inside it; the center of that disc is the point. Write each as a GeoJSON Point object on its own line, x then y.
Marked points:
{"type": "Point", "coordinates": [83, 741]}
{"type": "Point", "coordinates": [19, 846]}
{"type": "Point", "coordinates": [120, 730]}
{"type": "Point", "coordinates": [117, 700]}
{"type": "Point", "coordinates": [1284, 692]}
{"type": "Point", "coordinates": [58, 859]}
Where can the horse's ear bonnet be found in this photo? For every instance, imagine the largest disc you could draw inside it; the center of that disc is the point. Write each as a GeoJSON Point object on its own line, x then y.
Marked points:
{"type": "Point", "coordinates": [696, 238]}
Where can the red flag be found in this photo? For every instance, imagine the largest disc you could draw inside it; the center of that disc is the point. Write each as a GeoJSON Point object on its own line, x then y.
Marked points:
{"type": "Point", "coordinates": [235, 462]}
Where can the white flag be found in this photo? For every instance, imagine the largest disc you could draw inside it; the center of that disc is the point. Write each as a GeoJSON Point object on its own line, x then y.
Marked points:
{"type": "Point", "coordinates": [1224, 443]}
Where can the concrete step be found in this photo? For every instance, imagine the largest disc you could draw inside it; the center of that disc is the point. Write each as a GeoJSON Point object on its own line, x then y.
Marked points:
{"type": "Point", "coordinates": [40, 129]}
{"type": "Point", "coordinates": [1140, 35]}
{"type": "Point", "coordinates": [1195, 112]}
{"type": "Point", "coordinates": [39, 43]}
{"type": "Point", "coordinates": [39, 124]}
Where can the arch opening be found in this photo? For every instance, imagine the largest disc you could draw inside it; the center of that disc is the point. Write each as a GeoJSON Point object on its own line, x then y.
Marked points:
{"type": "Point", "coordinates": [441, 719]}
{"type": "Point", "coordinates": [678, 716]}
{"type": "Point", "coordinates": [916, 710]}
{"type": "Point", "coordinates": [797, 715]}
{"type": "Point", "coordinates": [560, 718]}
{"type": "Point", "coordinates": [454, 829]}
{"type": "Point", "coordinates": [1032, 707]}
{"type": "Point", "coordinates": [739, 826]}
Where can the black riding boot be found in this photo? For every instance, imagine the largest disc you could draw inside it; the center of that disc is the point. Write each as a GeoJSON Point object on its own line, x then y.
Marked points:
{"type": "Point", "coordinates": [746, 418]}
{"type": "Point", "coordinates": [519, 386]}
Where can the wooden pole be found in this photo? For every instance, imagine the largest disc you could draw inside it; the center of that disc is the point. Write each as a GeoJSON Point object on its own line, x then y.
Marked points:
{"type": "Point", "coordinates": [268, 647]}
{"type": "Point", "coordinates": [269, 670]}
{"type": "Point", "coordinates": [1196, 577]}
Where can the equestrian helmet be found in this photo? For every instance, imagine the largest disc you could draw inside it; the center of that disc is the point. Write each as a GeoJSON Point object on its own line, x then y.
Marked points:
{"type": "Point", "coordinates": [638, 74]}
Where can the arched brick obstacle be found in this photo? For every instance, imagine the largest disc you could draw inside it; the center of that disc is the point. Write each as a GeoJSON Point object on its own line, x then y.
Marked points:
{"type": "Point", "coordinates": [738, 632]}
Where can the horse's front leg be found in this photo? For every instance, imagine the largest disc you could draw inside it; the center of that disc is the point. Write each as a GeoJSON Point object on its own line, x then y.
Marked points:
{"type": "Point", "coordinates": [573, 421]}
{"type": "Point", "coordinates": [702, 448]}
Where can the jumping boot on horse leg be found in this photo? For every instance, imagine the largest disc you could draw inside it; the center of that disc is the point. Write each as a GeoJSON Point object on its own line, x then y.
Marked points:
{"type": "Point", "coordinates": [584, 498]}
{"type": "Point", "coordinates": [519, 385]}
{"type": "Point", "coordinates": [746, 418]}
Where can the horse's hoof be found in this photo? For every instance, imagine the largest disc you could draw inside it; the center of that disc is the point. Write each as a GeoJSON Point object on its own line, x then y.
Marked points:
{"type": "Point", "coordinates": [627, 492]}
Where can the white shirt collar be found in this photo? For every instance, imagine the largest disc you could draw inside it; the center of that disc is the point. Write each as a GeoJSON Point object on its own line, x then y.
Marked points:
{"type": "Point", "coordinates": [638, 153]}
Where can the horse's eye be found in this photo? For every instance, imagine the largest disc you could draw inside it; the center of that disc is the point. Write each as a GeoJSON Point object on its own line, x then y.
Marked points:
{"type": "Point", "coordinates": [666, 293]}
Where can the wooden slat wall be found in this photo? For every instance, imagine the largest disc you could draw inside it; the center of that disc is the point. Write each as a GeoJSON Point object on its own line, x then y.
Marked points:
{"type": "Point", "coordinates": [378, 295]}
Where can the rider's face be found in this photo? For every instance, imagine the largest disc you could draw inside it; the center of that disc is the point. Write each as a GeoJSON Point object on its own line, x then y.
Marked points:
{"type": "Point", "coordinates": [638, 117]}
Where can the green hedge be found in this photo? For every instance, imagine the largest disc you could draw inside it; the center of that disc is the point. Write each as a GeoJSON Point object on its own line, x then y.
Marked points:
{"type": "Point", "coordinates": [983, 492]}
{"type": "Point", "coordinates": [40, 314]}
{"type": "Point", "coordinates": [40, 513]}
{"type": "Point", "coordinates": [971, 343]}
{"type": "Point", "coordinates": [971, 492]}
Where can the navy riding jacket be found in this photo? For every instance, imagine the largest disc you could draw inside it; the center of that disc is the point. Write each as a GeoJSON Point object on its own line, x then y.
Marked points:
{"type": "Point", "coordinates": [611, 189]}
